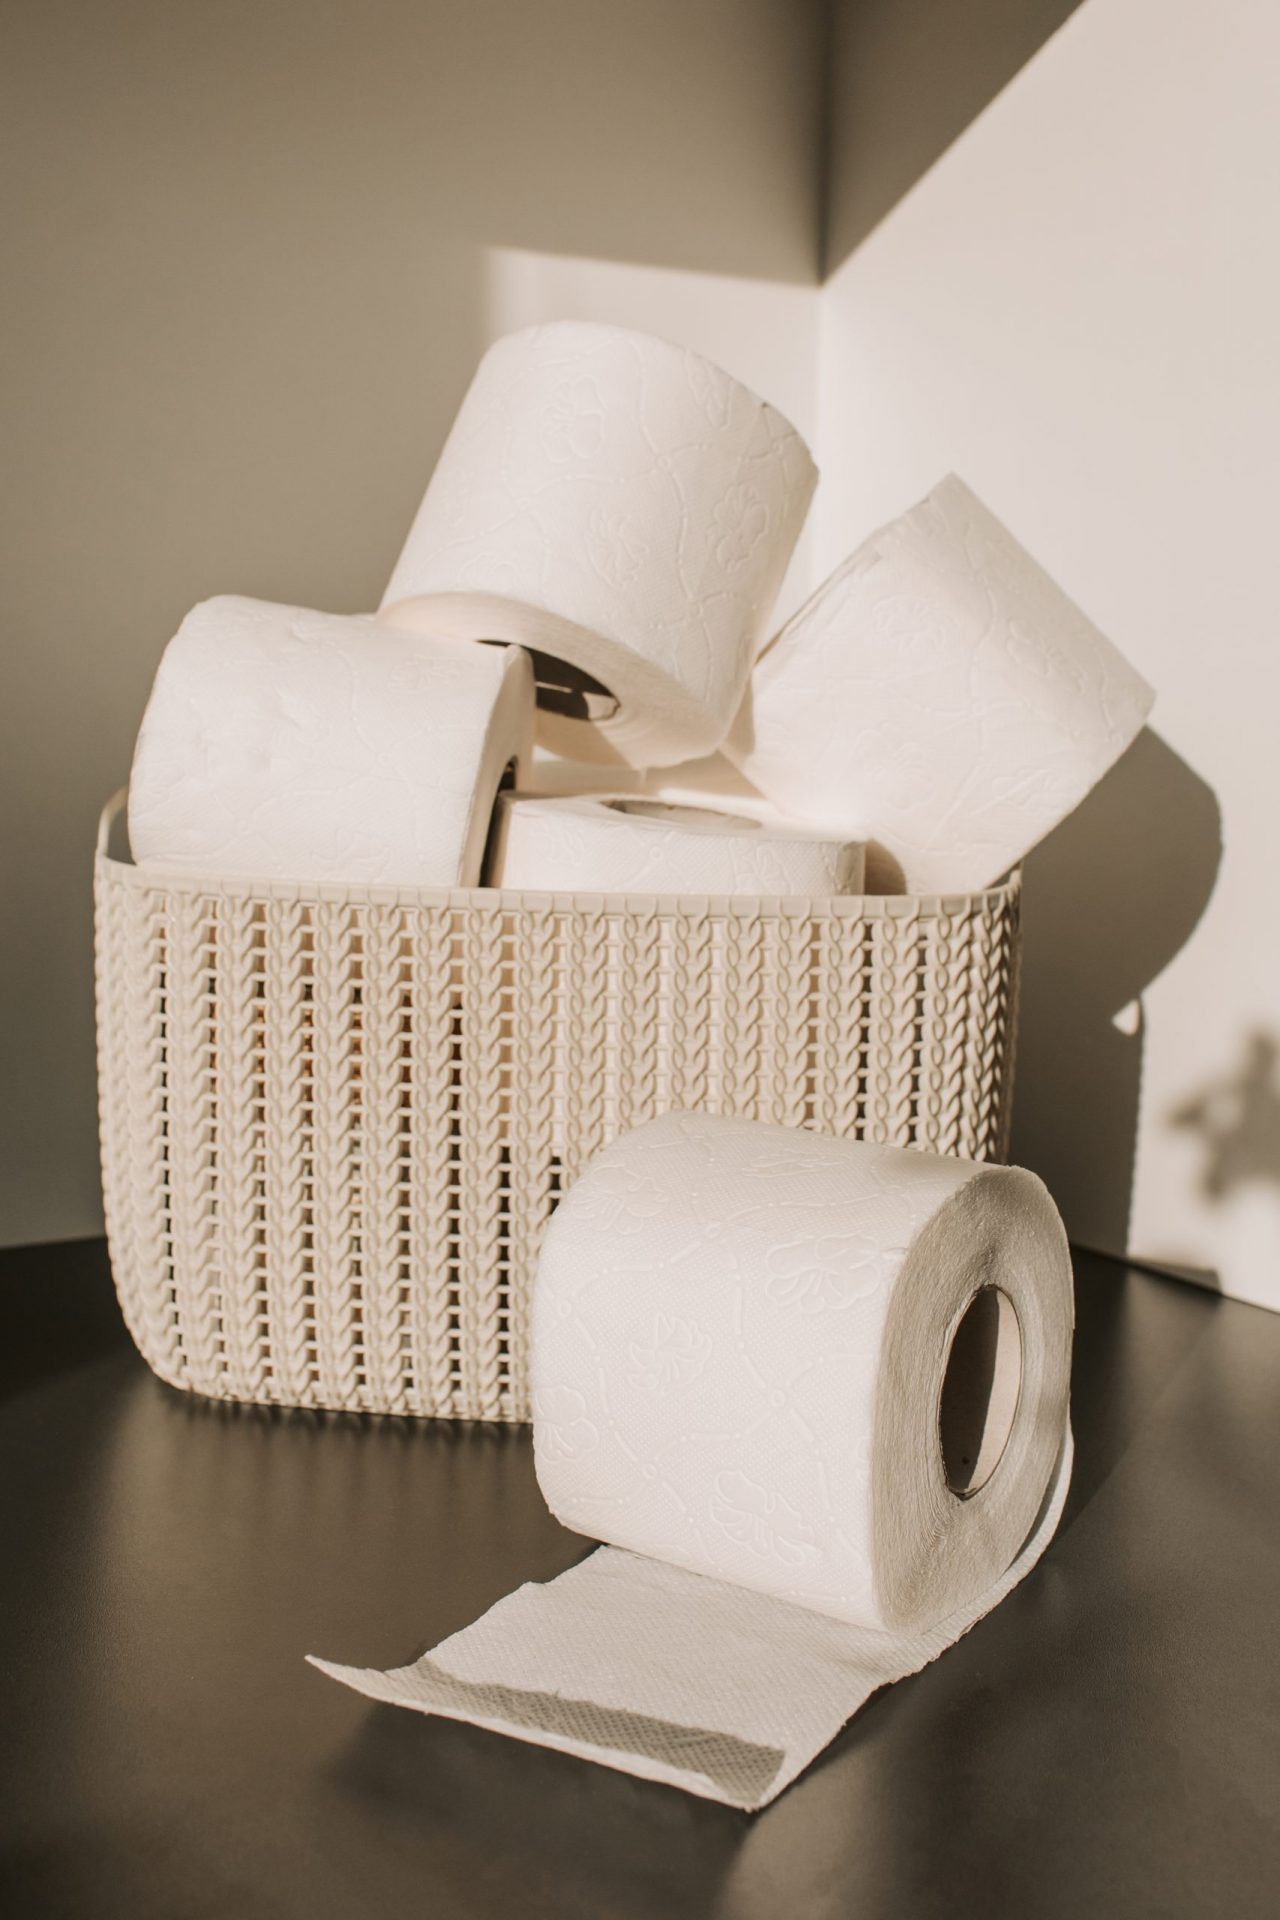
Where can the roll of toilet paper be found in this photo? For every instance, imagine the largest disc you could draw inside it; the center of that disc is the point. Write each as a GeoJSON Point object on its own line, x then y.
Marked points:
{"type": "Point", "coordinates": [625, 510]}
{"type": "Point", "coordinates": [940, 697]}
{"type": "Point", "coordinates": [626, 843]}
{"type": "Point", "coordinates": [282, 744]}
{"type": "Point", "coordinates": [814, 1395]}
{"type": "Point", "coordinates": [770, 1406]}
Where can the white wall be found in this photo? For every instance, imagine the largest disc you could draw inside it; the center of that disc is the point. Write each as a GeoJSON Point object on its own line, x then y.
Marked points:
{"type": "Point", "coordinates": [1078, 309]}
{"type": "Point", "coordinates": [248, 253]}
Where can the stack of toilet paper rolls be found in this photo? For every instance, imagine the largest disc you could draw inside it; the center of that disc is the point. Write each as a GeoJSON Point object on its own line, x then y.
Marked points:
{"type": "Point", "coordinates": [811, 1393]}
{"type": "Point", "coordinates": [611, 518]}
{"type": "Point", "coordinates": [582, 605]}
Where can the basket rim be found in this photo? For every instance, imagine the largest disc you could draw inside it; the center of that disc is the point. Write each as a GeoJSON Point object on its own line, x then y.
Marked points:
{"type": "Point", "coordinates": [159, 878]}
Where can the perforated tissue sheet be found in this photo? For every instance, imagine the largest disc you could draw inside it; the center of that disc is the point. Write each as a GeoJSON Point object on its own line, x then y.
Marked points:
{"type": "Point", "coordinates": [814, 1396]}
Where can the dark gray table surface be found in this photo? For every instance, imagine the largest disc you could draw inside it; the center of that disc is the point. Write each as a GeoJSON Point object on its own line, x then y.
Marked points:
{"type": "Point", "coordinates": [1108, 1742]}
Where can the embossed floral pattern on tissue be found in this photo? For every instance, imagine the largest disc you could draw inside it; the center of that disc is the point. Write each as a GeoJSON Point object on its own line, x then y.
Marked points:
{"type": "Point", "coordinates": [628, 844]}
{"type": "Point", "coordinates": [940, 696]}
{"type": "Point", "coordinates": [722, 1247]}
{"type": "Point", "coordinates": [621, 504]}
{"type": "Point", "coordinates": [282, 743]}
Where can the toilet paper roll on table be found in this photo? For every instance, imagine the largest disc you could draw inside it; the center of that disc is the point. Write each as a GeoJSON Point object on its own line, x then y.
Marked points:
{"type": "Point", "coordinates": [283, 744]}
{"type": "Point", "coordinates": [814, 1395]}
{"type": "Point", "coordinates": [625, 843]}
{"type": "Point", "coordinates": [624, 509]}
{"type": "Point", "coordinates": [940, 697]}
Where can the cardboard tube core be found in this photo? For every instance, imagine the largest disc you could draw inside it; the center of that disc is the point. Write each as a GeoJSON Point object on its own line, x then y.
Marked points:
{"type": "Point", "coordinates": [980, 1390]}
{"type": "Point", "coordinates": [569, 691]}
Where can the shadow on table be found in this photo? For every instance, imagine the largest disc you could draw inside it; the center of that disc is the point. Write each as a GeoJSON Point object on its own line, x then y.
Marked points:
{"type": "Point", "coordinates": [47, 1328]}
{"type": "Point", "coordinates": [1133, 1333]}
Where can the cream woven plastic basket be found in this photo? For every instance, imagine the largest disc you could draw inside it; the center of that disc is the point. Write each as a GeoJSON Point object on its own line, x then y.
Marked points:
{"type": "Point", "coordinates": [335, 1120]}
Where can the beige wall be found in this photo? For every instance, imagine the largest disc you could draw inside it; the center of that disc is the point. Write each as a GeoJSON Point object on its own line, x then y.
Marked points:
{"type": "Point", "coordinates": [906, 78]}
{"type": "Point", "coordinates": [1078, 309]}
{"type": "Point", "coordinates": [248, 254]}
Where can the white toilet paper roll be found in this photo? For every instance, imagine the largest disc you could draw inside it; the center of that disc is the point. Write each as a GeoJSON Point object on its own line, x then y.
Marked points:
{"type": "Point", "coordinates": [624, 509]}
{"type": "Point", "coordinates": [815, 1394]}
{"type": "Point", "coordinates": [768, 1406]}
{"type": "Point", "coordinates": [282, 744]}
{"type": "Point", "coordinates": [940, 697]}
{"type": "Point", "coordinates": [625, 843]}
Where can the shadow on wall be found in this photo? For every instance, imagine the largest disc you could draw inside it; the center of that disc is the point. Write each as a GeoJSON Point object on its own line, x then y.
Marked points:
{"type": "Point", "coordinates": [1110, 898]}
{"type": "Point", "coordinates": [908, 77]}
{"type": "Point", "coordinates": [1237, 1120]}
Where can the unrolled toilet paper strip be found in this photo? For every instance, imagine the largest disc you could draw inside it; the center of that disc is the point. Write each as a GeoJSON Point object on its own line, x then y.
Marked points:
{"type": "Point", "coordinates": [748, 1380]}
{"type": "Point", "coordinates": [625, 843]}
{"type": "Point", "coordinates": [940, 697]}
{"type": "Point", "coordinates": [669, 1676]}
{"type": "Point", "coordinates": [623, 508]}
{"type": "Point", "coordinates": [284, 744]}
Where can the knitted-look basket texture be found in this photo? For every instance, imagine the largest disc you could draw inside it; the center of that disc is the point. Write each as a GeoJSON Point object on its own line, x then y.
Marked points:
{"type": "Point", "coordinates": [335, 1120]}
